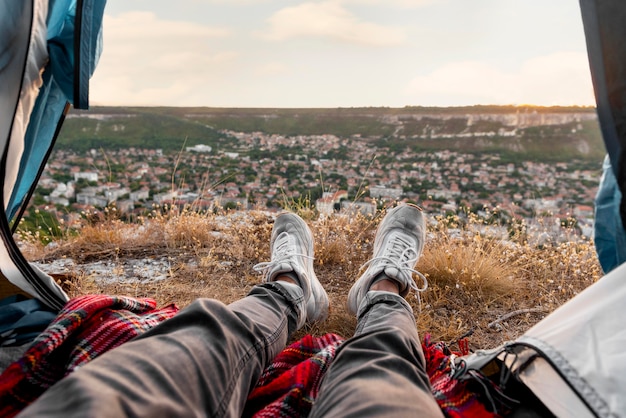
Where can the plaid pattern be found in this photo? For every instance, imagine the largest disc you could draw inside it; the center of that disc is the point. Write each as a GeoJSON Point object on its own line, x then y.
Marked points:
{"type": "Point", "coordinates": [454, 396]}
{"type": "Point", "coordinates": [289, 385]}
{"type": "Point", "coordinates": [86, 327]}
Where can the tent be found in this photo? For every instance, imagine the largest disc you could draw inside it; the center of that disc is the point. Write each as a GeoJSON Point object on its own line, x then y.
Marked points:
{"type": "Point", "coordinates": [571, 361]}
{"type": "Point", "coordinates": [48, 51]}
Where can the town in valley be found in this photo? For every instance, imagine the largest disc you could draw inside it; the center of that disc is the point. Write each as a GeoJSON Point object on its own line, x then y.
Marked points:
{"type": "Point", "coordinates": [337, 172]}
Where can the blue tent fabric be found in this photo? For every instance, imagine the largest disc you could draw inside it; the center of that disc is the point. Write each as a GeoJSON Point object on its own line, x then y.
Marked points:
{"type": "Point", "coordinates": [609, 235]}
{"type": "Point", "coordinates": [74, 52]}
{"type": "Point", "coordinates": [48, 52]}
{"type": "Point", "coordinates": [50, 109]}
{"type": "Point", "coordinates": [21, 320]}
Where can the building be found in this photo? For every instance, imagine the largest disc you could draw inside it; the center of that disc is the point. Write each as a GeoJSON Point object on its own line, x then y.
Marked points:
{"type": "Point", "coordinates": [87, 175]}
{"type": "Point", "coordinates": [143, 194]}
{"type": "Point", "coordinates": [382, 192]}
{"type": "Point", "coordinates": [114, 194]}
{"type": "Point", "coordinates": [199, 148]}
{"type": "Point", "coordinates": [91, 199]}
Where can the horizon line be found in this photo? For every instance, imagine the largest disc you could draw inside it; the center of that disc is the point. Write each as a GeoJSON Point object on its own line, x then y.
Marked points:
{"type": "Point", "coordinates": [572, 106]}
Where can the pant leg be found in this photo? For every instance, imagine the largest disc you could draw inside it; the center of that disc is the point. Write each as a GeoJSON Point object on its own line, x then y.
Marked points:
{"type": "Point", "coordinates": [201, 363]}
{"type": "Point", "coordinates": [381, 370]}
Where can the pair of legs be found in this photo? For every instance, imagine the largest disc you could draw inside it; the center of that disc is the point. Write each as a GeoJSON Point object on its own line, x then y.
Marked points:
{"type": "Point", "coordinates": [206, 360]}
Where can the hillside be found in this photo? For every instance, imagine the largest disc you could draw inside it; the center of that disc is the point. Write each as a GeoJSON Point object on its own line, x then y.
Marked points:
{"type": "Point", "coordinates": [517, 133]}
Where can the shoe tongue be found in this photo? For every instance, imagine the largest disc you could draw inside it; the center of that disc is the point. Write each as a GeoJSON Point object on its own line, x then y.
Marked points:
{"type": "Point", "coordinates": [393, 273]}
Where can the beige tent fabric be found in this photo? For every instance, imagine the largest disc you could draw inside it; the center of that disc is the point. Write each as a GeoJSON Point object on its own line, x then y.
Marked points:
{"type": "Point", "coordinates": [584, 341]}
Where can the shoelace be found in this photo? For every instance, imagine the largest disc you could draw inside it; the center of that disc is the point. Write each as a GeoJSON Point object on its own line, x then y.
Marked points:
{"type": "Point", "coordinates": [283, 250]}
{"type": "Point", "coordinates": [400, 254]}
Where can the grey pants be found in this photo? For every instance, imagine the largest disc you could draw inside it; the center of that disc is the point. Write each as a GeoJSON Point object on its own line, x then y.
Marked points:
{"type": "Point", "coordinates": [205, 361]}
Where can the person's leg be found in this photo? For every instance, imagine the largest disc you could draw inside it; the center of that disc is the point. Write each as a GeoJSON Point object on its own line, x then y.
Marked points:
{"type": "Point", "coordinates": [205, 360]}
{"type": "Point", "coordinates": [380, 371]}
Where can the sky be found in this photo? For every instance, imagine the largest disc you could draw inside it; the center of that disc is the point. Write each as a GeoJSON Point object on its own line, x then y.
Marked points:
{"type": "Point", "coordinates": [342, 53]}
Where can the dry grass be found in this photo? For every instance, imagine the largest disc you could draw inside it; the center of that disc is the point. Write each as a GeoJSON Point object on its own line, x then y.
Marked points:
{"type": "Point", "coordinates": [474, 277]}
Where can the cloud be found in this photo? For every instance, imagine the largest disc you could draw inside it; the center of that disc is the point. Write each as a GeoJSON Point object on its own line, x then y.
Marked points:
{"type": "Point", "coordinates": [561, 78]}
{"type": "Point", "coordinates": [148, 60]}
{"type": "Point", "coordinates": [329, 20]}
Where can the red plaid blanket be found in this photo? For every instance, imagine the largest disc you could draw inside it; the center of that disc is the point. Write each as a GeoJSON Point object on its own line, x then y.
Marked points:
{"type": "Point", "coordinates": [91, 325]}
{"type": "Point", "coordinates": [86, 327]}
{"type": "Point", "coordinates": [289, 386]}
{"type": "Point", "coordinates": [455, 397]}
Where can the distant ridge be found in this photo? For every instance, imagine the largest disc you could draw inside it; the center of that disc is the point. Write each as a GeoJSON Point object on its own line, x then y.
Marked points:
{"type": "Point", "coordinates": [516, 132]}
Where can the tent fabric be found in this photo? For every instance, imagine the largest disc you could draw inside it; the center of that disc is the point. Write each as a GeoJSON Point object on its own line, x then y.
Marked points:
{"type": "Point", "coordinates": [584, 341]}
{"type": "Point", "coordinates": [605, 32]}
{"type": "Point", "coordinates": [23, 53]}
{"type": "Point", "coordinates": [578, 350]}
{"type": "Point", "coordinates": [74, 52]}
{"type": "Point", "coordinates": [609, 234]}
{"type": "Point", "coordinates": [22, 77]}
{"type": "Point", "coordinates": [22, 319]}
{"type": "Point", "coordinates": [48, 51]}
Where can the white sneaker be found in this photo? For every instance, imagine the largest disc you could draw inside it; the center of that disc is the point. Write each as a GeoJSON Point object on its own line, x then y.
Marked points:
{"type": "Point", "coordinates": [398, 245]}
{"type": "Point", "coordinates": [292, 252]}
